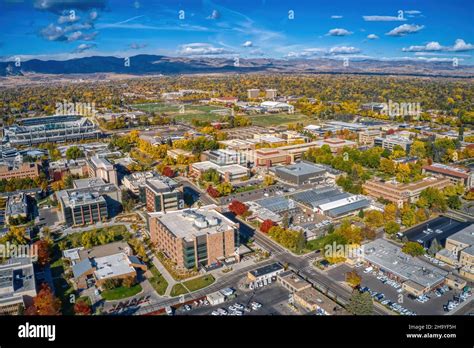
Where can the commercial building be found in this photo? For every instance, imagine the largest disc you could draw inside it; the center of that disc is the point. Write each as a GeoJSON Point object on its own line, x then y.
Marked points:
{"type": "Point", "coordinates": [417, 277]}
{"type": "Point", "coordinates": [100, 167]}
{"type": "Point", "coordinates": [17, 206]}
{"type": "Point", "coordinates": [292, 282]}
{"type": "Point", "coordinates": [300, 173]}
{"type": "Point", "coordinates": [97, 265]}
{"type": "Point", "coordinates": [459, 252]}
{"type": "Point", "coordinates": [17, 285]}
{"type": "Point", "coordinates": [331, 202]}
{"type": "Point", "coordinates": [61, 168]}
{"type": "Point", "coordinates": [269, 157]}
{"type": "Point", "coordinates": [91, 201]}
{"type": "Point", "coordinates": [314, 301]}
{"type": "Point", "coordinates": [391, 141]}
{"type": "Point", "coordinates": [163, 194]}
{"type": "Point", "coordinates": [195, 237]}
{"type": "Point", "coordinates": [335, 144]}
{"type": "Point", "coordinates": [368, 137]}
{"type": "Point", "coordinates": [253, 93]}
{"type": "Point", "coordinates": [400, 193]}
{"type": "Point", "coordinates": [457, 175]}
{"type": "Point", "coordinates": [271, 93]}
{"type": "Point", "coordinates": [265, 273]}
{"type": "Point", "coordinates": [228, 173]}
{"type": "Point", "coordinates": [51, 129]}
{"type": "Point", "coordinates": [10, 168]}
{"type": "Point", "coordinates": [224, 157]}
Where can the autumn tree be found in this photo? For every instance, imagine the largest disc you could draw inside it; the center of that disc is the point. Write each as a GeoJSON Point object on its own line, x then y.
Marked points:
{"type": "Point", "coordinates": [413, 249]}
{"type": "Point", "coordinates": [390, 212]}
{"type": "Point", "coordinates": [45, 303]}
{"type": "Point", "coordinates": [82, 308]}
{"type": "Point", "coordinates": [167, 171]}
{"type": "Point", "coordinates": [44, 249]}
{"type": "Point", "coordinates": [266, 225]}
{"type": "Point", "coordinates": [353, 278]}
{"type": "Point", "coordinates": [238, 208]}
{"type": "Point", "coordinates": [373, 218]}
{"type": "Point", "coordinates": [391, 227]}
{"type": "Point", "coordinates": [211, 191]}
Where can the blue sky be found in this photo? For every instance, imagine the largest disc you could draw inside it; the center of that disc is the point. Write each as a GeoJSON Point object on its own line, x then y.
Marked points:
{"type": "Point", "coordinates": [422, 30]}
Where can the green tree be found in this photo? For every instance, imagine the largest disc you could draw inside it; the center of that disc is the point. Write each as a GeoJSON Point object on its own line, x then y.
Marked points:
{"type": "Point", "coordinates": [413, 249]}
{"type": "Point", "coordinates": [360, 303]}
{"type": "Point", "coordinates": [74, 152]}
{"type": "Point", "coordinates": [391, 227]}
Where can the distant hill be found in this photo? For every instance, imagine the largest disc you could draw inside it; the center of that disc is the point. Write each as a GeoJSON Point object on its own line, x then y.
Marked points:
{"type": "Point", "coordinates": [154, 64]}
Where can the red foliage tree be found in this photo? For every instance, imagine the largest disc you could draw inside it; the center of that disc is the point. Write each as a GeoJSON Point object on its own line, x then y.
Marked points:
{"type": "Point", "coordinates": [167, 171]}
{"type": "Point", "coordinates": [43, 248]}
{"type": "Point", "coordinates": [266, 225]}
{"type": "Point", "coordinates": [212, 192]}
{"type": "Point", "coordinates": [45, 303]}
{"type": "Point", "coordinates": [238, 208]}
{"type": "Point", "coordinates": [390, 131]}
{"type": "Point", "coordinates": [82, 308]}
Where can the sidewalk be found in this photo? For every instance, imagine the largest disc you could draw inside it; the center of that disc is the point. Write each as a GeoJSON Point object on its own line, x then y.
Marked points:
{"type": "Point", "coordinates": [164, 272]}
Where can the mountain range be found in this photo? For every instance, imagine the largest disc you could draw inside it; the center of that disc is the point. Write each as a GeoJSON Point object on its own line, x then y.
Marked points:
{"type": "Point", "coordinates": [155, 64]}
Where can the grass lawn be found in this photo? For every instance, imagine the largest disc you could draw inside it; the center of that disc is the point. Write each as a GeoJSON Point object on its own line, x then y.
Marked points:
{"type": "Point", "coordinates": [121, 292]}
{"type": "Point", "coordinates": [266, 120]}
{"type": "Point", "coordinates": [178, 289]}
{"type": "Point", "coordinates": [158, 282]}
{"type": "Point", "coordinates": [199, 283]}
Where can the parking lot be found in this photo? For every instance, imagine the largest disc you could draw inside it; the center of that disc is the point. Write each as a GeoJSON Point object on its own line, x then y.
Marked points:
{"type": "Point", "coordinates": [273, 299]}
{"type": "Point", "coordinates": [434, 306]}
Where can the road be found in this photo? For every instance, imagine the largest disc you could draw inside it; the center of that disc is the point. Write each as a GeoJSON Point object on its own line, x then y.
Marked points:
{"type": "Point", "coordinates": [303, 267]}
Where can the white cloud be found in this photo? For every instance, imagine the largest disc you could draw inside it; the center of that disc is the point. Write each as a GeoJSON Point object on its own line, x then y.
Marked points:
{"type": "Point", "coordinates": [93, 15]}
{"type": "Point", "coordinates": [460, 45]}
{"type": "Point", "coordinates": [412, 12]}
{"type": "Point", "coordinates": [336, 17]}
{"type": "Point", "coordinates": [74, 36]}
{"type": "Point", "coordinates": [307, 52]}
{"type": "Point", "coordinates": [84, 47]}
{"type": "Point", "coordinates": [247, 44]}
{"type": "Point", "coordinates": [339, 32]}
{"type": "Point", "coordinates": [405, 29]}
{"type": "Point", "coordinates": [214, 15]}
{"type": "Point", "coordinates": [434, 46]}
{"type": "Point", "coordinates": [376, 18]}
{"type": "Point", "coordinates": [372, 37]}
{"type": "Point", "coordinates": [53, 33]}
{"type": "Point", "coordinates": [344, 50]}
{"type": "Point", "coordinates": [200, 49]}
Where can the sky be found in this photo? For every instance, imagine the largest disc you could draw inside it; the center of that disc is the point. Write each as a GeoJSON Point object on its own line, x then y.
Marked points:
{"type": "Point", "coordinates": [427, 30]}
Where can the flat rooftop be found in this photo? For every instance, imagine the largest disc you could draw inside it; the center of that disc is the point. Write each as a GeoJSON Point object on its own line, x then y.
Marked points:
{"type": "Point", "coordinates": [465, 236]}
{"type": "Point", "coordinates": [300, 168]}
{"type": "Point", "coordinates": [274, 267]}
{"type": "Point", "coordinates": [188, 223]}
{"type": "Point", "coordinates": [161, 183]}
{"type": "Point", "coordinates": [391, 258]}
{"type": "Point", "coordinates": [112, 266]}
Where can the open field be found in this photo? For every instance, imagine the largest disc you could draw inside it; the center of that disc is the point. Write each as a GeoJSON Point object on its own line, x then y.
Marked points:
{"type": "Point", "coordinates": [266, 120]}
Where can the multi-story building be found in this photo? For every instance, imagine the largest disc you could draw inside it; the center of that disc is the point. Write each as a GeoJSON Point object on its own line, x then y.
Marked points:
{"type": "Point", "coordinates": [457, 175]}
{"type": "Point", "coordinates": [59, 169]}
{"type": "Point", "coordinates": [17, 285]}
{"type": "Point", "coordinates": [391, 141]}
{"type": "Point", "coordinates": [399, 193]}
{"type": "Point", "coordinates": [368, 137]}
{"type": "Point", "coordinates": [195, 237]}
{"type": "Point", "coordinates": [91, 201]}
{"type": "Point", "coordinates": [51, 129]}
{"type": "Point", "coordinates": [163, 194]}
{"type": "Point", "coordinates": [96, 265]}
{"type": "Point", "coordinates": [271, 93]}
{"type": "Point", "coordinates": [459, 252]}
{"type": "Point", "coordinates": [300, 173]}
{"type": "Point", "coordinates": [229, 173]}
{"type": "Point", "coordinates": [17, 206]}
{"type": "Point", "coordinates": [10, 169]}
{"type": "Point", "coordinates": [100, 167]}
{"type": "Point", "coordinates": [253, 93]}
{"type": "Point", "coordinates": [269, 157]}
{"type": "Point", "coordinates": [335, 144]}
{"type": "Point", "coordinates": [224, 157]}
{"type": "Point", "coordinates": [136, 181]}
